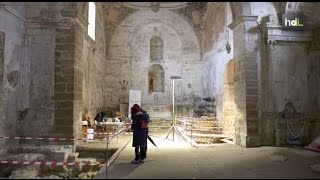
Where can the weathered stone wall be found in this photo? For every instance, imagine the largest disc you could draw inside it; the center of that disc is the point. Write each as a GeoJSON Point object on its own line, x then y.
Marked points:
{"type": "Point", "coordinates": [64, 76]}
{"type": "Point", "coordinates": [93, 57]}
{"type": "Point", "coordinates": [216, 35]}
{"type": "Point", "coordinates": [51, 38]}
{"type": "Point", "coordinates": [285, 68]}
{"type": "Point", "coordinates": [294, 80]}
{"type": "Point", "coordinates": [2, 41]}
{"type": "Point", "coordinates": [12, 57]}
{"type": "Point", "coordinates": [129, 60]}
{"type": "Point", "coordinates": [289, 77]}
{"type": "Point", "coordinates": [38, 120]}
{"type": "Point", "coordinates": [254, 78]}
{"type": "Point", "coordinates": [228, 101]}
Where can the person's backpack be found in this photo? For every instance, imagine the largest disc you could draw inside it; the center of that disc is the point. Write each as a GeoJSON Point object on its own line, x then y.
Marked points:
{"type": "Point", "coordinates": [144, 122]}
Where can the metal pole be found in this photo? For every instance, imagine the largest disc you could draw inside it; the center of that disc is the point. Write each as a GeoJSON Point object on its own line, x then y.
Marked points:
{"type": "Point", "coordinates": [107, 158]}
{"type": "Point", "coordinates": [191, 133]}
{"type": "Point", "coordinates": [173, 108]}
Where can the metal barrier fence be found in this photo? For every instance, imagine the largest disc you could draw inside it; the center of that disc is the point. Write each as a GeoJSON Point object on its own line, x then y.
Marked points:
{"type": "Point", "coordinates": [191, 130]}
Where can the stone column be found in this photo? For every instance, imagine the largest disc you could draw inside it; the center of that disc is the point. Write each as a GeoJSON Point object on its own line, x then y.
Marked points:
{"type": "Point", "coordinates": [80, 35]}
{"type": "Point", "coordinates": [246, 36]}
{"type": "Point", "coordinates": [64, 81]}
{"type": "Point", "coordinates": [68, 80]}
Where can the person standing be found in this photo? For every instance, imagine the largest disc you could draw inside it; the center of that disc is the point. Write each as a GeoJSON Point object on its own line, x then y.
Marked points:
{"type": "Point", "coordinates": [140, 132]}
{"type": "Point", "coordinates": [148, 121]}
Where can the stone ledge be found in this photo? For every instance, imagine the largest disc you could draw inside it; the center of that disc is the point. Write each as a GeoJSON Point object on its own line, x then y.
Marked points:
{"type": "Point", "coordinates": [241, 19]}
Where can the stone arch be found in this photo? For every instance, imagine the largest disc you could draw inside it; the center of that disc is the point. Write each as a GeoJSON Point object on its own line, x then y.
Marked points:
{"type": "Point", "coordinates": [228, 100]}
{"type": "Point", "coordinates": [156, 78]}
{"type": "Point", "coordinates": [167, 24]}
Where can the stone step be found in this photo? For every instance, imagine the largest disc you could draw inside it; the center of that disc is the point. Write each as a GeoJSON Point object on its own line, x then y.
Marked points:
{"type": "Point", "coordinates": [72, 157]}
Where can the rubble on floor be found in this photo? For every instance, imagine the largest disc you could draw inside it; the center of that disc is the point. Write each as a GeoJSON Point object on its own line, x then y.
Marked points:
{"type": "Point", "coordinates": [278, 158]}
{"type": "Point", "coordinates": [315, 167]}
{"type": "Point", "coordinates": [86, 170]}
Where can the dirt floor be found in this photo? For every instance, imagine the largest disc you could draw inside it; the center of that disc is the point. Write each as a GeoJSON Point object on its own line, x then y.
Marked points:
{"type": "Point", "coordinates": [175, 159]}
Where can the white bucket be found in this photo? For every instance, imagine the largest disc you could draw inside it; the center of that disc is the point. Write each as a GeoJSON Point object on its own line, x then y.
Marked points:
{"type": "Point", "coordinates": [90, 134]}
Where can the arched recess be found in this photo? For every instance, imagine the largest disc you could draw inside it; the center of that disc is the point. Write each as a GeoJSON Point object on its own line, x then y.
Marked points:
{"type": "Point", "coordinates": [156, 48]}
{"type": "Point", "coordinates": [228, 101]}
{"type": "Point", "coordinates": [156, 78]}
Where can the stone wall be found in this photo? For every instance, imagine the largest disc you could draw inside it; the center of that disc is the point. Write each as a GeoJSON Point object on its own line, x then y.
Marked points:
{"type": "Point", "coordinates": [286, 71]}
{"type": "Point", "coordinates": [38, 120]}
{"type": "Point", "coordinates": [2, 45]}
{"type": "Point", "coordinates": [12, 57]}
{"type": "Point", "coordinates": [93, 57]}
{"type": "Point", "coordinates": [51, 43]}
{"type": "Point", "coordinates": [216, 35]}
{"type": "Point", "coordinates": [129, 61]}
{"type": "Point", "coordinates": [257, 90]}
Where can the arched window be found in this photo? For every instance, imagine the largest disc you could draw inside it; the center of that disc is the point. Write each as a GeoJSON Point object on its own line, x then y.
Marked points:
{"type": "Point", "coordinates": [156, 47]}
{"type": "Point", "coordinates": [156, 78]}
{"type": "Point", "coordinates": [92, 20]}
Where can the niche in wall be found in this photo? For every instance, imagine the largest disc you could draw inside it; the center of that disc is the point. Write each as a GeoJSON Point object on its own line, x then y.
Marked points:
{"type": "Point", "coordinates": [156, 47]}
{"type": "Point", "coordinates": [156, 78]}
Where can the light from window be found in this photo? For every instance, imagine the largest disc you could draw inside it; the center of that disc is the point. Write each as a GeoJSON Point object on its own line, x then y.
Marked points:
{"type": "Point", "coordinates": [92, 20]}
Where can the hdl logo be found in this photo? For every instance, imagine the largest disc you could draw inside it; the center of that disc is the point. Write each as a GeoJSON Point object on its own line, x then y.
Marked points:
{"type": "Point", "coordinates": [293, 21]}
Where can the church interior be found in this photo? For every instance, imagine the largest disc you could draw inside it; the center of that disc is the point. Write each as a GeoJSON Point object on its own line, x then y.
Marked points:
{"type": "Point", "coordinates": [242, 66]}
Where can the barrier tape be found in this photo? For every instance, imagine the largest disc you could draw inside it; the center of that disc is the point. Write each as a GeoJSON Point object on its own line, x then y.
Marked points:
{"type": "Point", "coordinates": [57, 139]}
{"type": "Point", "coordinates": [196, 118]}
{"type": "Point", "coordinates": [192, 120]}
{"type": "Point", "coordinates": [38, 138]}
{"type": "Point", "coordinates": [54, 163]}
{"type": "Point", "coordinates": [200, 121]}
{"type": "Point", "coordinates": [208, 135]}
{"type": "Point", "coordinates": [49, 138]}
{"type": "Point", "coordinates": [42, 163]}
{"type": "Point", "coordinates": [108, 133]}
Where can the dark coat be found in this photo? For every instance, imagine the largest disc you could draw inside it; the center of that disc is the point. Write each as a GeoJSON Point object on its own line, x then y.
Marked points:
{"type": "Point", "coordinates": [139, 134]}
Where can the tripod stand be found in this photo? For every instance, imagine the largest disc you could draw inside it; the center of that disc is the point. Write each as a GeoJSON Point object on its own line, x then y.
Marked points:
{"type": "Point", "coordinates": [173, 125]}
{"type": "Point", "coordinates": [173, 129]}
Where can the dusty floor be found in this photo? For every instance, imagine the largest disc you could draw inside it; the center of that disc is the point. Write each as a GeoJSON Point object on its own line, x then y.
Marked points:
{"type": "Point", "coordinates": [174, 159]}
